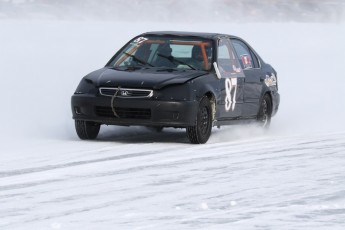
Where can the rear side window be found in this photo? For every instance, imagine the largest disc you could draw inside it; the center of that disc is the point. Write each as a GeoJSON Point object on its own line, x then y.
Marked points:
{"type": "Point", "coordinates": [245, 55]}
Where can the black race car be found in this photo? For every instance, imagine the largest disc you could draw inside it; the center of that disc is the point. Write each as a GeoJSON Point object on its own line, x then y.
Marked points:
{"type": "Point", "coordinates": [178, 79]}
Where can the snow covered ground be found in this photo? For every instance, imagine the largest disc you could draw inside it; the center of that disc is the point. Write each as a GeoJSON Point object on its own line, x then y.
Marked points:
{"type": "Point", "coordinates": [130, 178]}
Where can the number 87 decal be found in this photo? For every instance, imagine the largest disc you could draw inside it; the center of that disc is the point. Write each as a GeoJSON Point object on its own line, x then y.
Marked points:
{"type": "Point", "coordinates": [230, 90]}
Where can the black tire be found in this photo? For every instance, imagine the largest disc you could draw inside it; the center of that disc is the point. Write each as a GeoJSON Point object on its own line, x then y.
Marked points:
{"type": "Point", "coordinates": [200, 133]}
{"type": "Point", "coordinates": [265, 112]}
{"type": "Point", "coordinates": [87, 130]}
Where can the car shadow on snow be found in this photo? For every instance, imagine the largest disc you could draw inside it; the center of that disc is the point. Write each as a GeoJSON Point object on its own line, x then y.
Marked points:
{"type": "Point", "coordinates": [138, 134]}
{"type": "Point", "coordinates": [135, 134]}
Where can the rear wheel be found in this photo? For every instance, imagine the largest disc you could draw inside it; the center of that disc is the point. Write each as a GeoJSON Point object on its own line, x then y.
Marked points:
{"type": "Point", "coordinates": [200, 133]}
{"type": "Point", "coordinates": [87, 130]}
{"type": "Point", "coordinates": [265, 112]}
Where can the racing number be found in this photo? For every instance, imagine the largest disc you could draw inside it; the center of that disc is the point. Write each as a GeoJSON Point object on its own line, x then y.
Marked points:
{"type": "Point", "coordinates": [140, 40]}
{"type": "Point", "coordinates": [230, 91]}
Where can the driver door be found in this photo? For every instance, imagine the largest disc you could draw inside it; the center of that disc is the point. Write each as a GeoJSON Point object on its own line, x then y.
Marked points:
{"type": "Point", "coordinates": [231, 82]}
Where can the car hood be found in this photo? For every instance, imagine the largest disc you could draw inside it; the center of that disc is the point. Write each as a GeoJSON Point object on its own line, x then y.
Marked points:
{"type": "Point", "coordinates": [152, 78]}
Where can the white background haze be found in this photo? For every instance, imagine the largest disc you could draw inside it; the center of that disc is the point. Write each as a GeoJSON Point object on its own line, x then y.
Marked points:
{"type": "Point", "coordinates": [130, 178]}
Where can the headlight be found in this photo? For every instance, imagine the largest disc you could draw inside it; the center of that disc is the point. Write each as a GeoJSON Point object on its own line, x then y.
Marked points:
{"type": "Point", "coordinates": [174, 93]}
{"type": "Point", "coordinates": [86, 86]}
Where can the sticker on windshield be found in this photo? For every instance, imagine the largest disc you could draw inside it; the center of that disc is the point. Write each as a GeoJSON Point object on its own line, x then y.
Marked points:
{"type": "Point", "coordinates": [140, 40]}
{"type": "Point", "coordinates": [230, 91]}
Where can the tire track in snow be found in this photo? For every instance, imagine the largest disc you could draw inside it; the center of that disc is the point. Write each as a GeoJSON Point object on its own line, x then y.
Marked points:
{"type": "Point", "coordinates": [78, 163]}
{"type": "Point", "coordinates": [191, 172]}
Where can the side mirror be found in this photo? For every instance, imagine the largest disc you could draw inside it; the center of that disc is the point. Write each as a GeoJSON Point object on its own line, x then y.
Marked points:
{"type": "Point", "coordinates": [217, 70]}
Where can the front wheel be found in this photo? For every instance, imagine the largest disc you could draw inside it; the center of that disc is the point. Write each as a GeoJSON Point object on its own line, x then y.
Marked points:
{"type": "Point", "coordinates": [265, 112]}
{"type": "Point", "coordinates": [201, 131]}
{"type": "Point", "coordinates": [87, 130]}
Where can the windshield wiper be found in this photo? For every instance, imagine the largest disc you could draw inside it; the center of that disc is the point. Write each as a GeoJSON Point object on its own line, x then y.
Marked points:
{"type": "Point", "coordinates": [138, 59]}
{"type": "Point", "coordinates": [172, 59]}
{"type": "Point", "coordinates": [125, 68]}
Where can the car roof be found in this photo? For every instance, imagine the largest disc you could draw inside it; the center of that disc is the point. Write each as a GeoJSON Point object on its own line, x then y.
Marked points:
{"type": "Point", "coordinates": [186, 34]}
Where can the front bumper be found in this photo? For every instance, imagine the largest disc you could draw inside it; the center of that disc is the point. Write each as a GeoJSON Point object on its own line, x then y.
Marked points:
{"type": "Point", "coordinates": [131, 111]}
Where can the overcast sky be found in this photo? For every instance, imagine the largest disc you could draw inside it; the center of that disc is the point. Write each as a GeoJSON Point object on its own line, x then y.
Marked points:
{"type": "Point", "coordinates": [176, 10]}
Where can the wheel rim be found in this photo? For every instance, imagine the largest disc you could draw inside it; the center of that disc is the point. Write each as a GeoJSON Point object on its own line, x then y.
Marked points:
{"type": "Point", "coordinates": [265, 115]}
{"type": "Point", "coordinates": [204, 120]}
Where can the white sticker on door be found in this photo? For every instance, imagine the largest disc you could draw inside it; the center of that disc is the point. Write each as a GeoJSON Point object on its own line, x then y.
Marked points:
{"type": "Point", "coordinates": [230, 93]}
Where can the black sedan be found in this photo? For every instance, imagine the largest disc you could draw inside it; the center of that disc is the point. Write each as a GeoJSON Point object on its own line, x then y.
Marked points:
{"type": "Point", "coordinates": [178, 79]}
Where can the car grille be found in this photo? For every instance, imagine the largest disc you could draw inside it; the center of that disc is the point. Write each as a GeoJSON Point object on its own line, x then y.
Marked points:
{"type": "Point", "coordinates": [125, 93]}
{"type": "Point", "coordinates": [126, 113]}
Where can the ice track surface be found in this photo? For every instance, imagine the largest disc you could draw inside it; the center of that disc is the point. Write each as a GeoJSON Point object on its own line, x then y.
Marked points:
{"type": "Point", "coordinates": [131, 178]}
{"type": "Point", "coordinates": [285, 182]}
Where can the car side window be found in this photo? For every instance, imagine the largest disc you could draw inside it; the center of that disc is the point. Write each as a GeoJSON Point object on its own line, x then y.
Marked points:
{"type": "Point", "coordinates": [255, 59]}
{"type": "Point", "coordinates": [245, 55]}
{"type": "Point", "coordinates": [227, 59]}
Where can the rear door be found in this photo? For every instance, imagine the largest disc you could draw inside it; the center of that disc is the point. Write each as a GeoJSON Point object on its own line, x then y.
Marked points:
{"type": "Point", "coordinates": [254, 77]}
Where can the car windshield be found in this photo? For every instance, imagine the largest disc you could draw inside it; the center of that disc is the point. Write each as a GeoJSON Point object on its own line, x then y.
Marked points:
{"type": "Point", "coordinates": [168, 52]}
